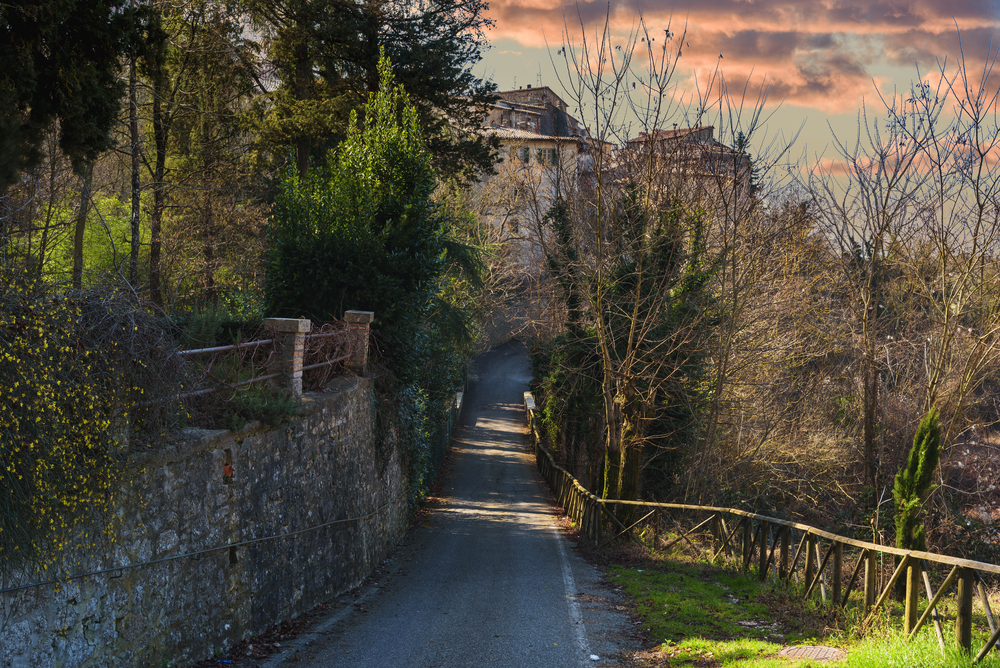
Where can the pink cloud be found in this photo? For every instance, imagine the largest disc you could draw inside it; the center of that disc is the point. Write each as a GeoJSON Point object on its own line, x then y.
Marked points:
{"type": "Point", "coordinates": [817, 54]}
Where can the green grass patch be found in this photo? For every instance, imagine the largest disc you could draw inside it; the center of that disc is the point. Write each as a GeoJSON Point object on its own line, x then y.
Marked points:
{"type": "Point", "coordinates": [894, 650]}
{"type": "Point", "coordinates": [704, 615]}
{"type": "Point", "coordinates": [743, 652]}
{"type": "Point", "coordinates": [682, 599]}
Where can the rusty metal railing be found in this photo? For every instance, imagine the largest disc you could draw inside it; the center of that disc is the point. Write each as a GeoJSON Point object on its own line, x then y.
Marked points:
{"type": "Point", "coordinates": [291, 347]}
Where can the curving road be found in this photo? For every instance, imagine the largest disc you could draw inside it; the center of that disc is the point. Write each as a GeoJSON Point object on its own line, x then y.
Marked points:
{"type": "Point", "coordinates": [489, 580]}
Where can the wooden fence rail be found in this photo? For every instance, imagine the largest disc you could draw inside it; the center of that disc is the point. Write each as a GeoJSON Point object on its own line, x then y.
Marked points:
{"type": "Point", "coordinates": [765, 543]}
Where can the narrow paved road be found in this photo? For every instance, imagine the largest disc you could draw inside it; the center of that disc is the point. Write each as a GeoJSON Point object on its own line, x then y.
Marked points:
{"type": "Point", "coordinates": [489, 581]}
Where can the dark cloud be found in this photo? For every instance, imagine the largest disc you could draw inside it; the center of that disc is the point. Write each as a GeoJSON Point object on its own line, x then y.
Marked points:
{"type": "Point", "coordinates": [819, 41]}
{"type": "Point", "coordinates": [887, 14]}
{"type": "Point", "coordinates": [763, 45]}
{"type": "Point", "coordinates": [925, 48]}
{"type": "Point", "coordinates": [847, 65]}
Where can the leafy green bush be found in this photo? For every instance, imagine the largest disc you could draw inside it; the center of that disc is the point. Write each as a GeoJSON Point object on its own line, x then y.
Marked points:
{"type": "Point", "coordinates": [364, 232]}
{"type": "Point", "coordinates": [200, 328]}
{"type": "Point", "coordinates": [218, 324]}
{"type": "Point", "coordinates": [912, 485]}
{"type": "Point", "coordinates": [569, 395]}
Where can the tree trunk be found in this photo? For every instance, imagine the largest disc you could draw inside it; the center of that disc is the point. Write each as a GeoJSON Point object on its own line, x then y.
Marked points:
{"type": "Point", "coordinates": [612, 469]}
{"type": "Point", "coordinates": [81, 224]}
{"type": "Point", "coordinates": [632, 421]}
{"type": "Point", "coordinates": [133, 127]}
{"type": "Point", "coordinates": [5, 223]}
{"type": "Point", "coordinates": [43, 245]}
{"type": "Point", "coordinates": [628, 481]}
{"type": "Point", "coordinates": [871, 408]}
{"type": "Point", "coordinates": [160, 137]}
{"type": "Point", "coordinates": [303, 76]}
{"type": "Point", "coordinates": [871, 398]}
{"type": "Point", "coordinates": [612, 446]}
{"type": "Point", "coordinates": [209, 251]}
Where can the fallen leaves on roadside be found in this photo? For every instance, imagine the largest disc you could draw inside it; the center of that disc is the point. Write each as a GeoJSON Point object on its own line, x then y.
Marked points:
{"type": "Point", "coordinates": [267, 643]}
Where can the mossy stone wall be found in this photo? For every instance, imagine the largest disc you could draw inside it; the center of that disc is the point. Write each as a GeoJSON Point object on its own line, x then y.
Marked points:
{"type": "Point", "coordinates": [216, 488]}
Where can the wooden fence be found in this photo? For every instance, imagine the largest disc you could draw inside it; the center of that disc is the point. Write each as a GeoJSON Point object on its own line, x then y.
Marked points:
{"type": "Point", "coordinates": [817, 563]}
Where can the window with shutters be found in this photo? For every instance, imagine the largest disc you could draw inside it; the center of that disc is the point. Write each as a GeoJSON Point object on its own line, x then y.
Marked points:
{"type": "Point", "coordinates": [548, 156]}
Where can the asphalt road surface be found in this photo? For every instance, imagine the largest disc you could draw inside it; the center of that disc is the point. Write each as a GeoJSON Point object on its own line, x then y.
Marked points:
{"type": "Point", "coordinates": [489, 580]}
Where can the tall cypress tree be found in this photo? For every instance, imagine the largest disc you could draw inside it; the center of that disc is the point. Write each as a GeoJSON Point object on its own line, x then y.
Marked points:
{"type": "Point", "coordinates": [61, 61]}
{"type": "Point", "coordinates": [362, 231]}
{"type": "Point", "coordinates": [913, 483]}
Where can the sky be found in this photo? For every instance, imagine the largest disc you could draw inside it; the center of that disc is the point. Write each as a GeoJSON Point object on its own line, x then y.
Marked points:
{"type": "Point", "coordinates": [819, 60]}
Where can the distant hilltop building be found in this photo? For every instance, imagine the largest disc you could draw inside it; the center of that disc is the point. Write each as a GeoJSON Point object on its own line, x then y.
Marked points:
{"type": "Point", "coordinates": [692, 151]}
{"type": "Point", "coordinates": [546, 152]}
{"type": "Point", "coordinates": [534, 127]}
{"type": "Point", "coordinates": [536, 110]}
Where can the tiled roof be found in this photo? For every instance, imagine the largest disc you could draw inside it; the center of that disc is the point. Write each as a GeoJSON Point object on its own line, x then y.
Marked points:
{"type": "Point", "coordinates": [540, 108]}
{"type": "Point", "coordinates": [516, 134]}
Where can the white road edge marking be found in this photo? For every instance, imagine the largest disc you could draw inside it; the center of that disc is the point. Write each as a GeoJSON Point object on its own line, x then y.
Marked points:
{"type": "Point", "coordinates": [575, 616]}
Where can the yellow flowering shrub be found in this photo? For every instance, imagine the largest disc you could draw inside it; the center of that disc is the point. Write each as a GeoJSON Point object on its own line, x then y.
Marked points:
{"type": "Point", "coordinates": [66, 415]}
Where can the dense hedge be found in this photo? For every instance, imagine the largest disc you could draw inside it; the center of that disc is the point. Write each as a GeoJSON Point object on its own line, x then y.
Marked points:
{"type": "Point", "coordinates": [364, 232]}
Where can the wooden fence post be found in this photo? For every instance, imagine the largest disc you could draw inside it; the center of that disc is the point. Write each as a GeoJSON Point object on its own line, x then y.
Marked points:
{"type": "Point", "coordinates": [765, 530]}
{"type": "Point", "coordinates": [870, 568]}
{"type": "Point", "coordinates": [912, 595]}
{"type": "Point", "coordinates": [963, 620]}
{"type": "Point", "coordinates": [595, 521]}
{"type": "Point", "coordinates": [786, 535]}
{"type": "Point", "coordinates": [588, 517]}
{"type": "Point", "coordinates": [810, 560]}
{"type": "Point", "coordinates": [747, 541]}
{"type": "Point", "coordinates": [291, 332]}
{"type": "Point", "coordinates": [838, 570]}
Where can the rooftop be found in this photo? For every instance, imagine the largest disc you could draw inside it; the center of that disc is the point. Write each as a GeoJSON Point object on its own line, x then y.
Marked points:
{"type": "Point", "coordinates": [516, 134]}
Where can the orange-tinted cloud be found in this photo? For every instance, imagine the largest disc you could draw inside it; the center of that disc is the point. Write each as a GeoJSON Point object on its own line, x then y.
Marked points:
{"type": "Point", "coordinates": [821, 54]}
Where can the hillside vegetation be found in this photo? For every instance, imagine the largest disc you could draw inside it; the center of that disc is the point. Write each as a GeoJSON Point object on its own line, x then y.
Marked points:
{"type": "Point", "coordinates": [730, 336]}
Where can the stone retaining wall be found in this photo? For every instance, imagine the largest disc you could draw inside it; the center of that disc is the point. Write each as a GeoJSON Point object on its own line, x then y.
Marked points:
{"type": "Point", "coordinates": [218, 488]}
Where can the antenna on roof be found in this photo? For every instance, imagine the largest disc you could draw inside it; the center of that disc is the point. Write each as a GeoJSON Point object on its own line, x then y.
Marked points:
{"type": "Point", "coordinates": [515, 82]}
{"type": "Point", "coordinates": [539, 75]}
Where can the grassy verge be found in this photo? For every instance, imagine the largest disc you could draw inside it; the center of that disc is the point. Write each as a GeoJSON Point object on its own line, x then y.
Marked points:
{"type": "Point", "coordinates": [695, 614]}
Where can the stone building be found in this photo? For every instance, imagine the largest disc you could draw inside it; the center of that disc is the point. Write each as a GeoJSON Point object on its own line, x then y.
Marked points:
{"type": "Point", "coordinates": [537, 110]}
{"type": "Point", "coordinates": [544, 152]}
{"type": "Point", "coordinates": [694, 152]}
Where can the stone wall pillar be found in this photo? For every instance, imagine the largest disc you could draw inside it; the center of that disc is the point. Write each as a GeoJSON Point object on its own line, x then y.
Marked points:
{"type": "Point", "coordinates": [358, 329]}
{"type": "Point", "coordinates": [290, 334]}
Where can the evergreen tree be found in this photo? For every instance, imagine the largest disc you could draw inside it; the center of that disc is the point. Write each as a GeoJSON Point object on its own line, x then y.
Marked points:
{"type": "Point", "coordinates": [61, 60]}
{"type": "Point", "coordinates": [913, 483]}
{"type": "Point", "coordinates": [326, 55]}
{"type": "Point", "coordinates": [362, 232]}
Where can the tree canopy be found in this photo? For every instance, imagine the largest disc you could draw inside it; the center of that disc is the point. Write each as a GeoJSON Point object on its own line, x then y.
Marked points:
{"type": "Point", "coordinates": [326, 55]}
{"type": "Point", "coordinates": [361, 232]}
{"type": "Point", "coordinates": [61, 59]}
